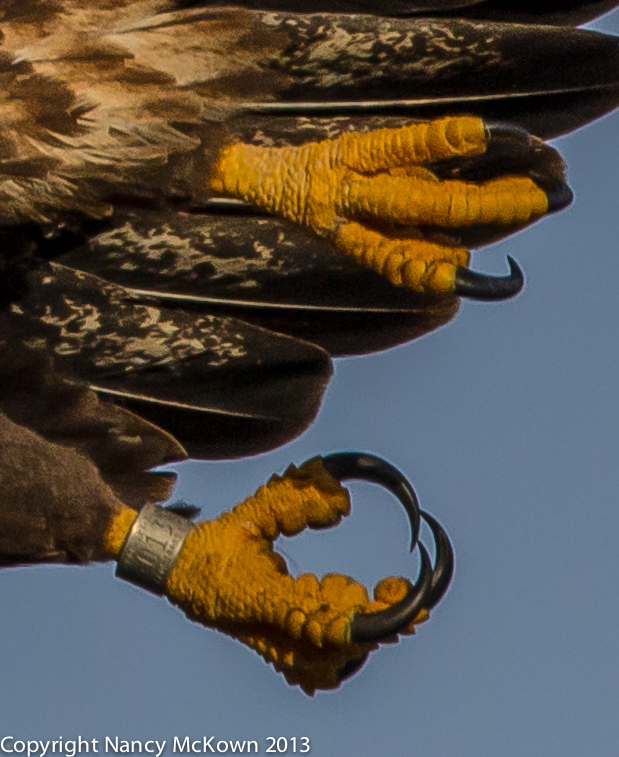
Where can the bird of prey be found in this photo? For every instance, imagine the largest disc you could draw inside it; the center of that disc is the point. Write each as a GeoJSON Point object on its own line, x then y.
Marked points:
{"type": "Point", "coordinates": [201, 205]}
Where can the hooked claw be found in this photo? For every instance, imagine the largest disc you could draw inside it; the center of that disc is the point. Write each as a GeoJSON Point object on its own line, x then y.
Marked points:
{"type": "Point", "coordinates": [505, 141]}
{"type": "Point", "coordinates": [480, 286]}
{"type": "Point", "coordinates": [443, 564]}
{"type": "Point", "coordinates": [365, 467]}
{"type": "Point", "coordinates": [432, 582]}
{"type": "Point", "coordinates": [377, 626]}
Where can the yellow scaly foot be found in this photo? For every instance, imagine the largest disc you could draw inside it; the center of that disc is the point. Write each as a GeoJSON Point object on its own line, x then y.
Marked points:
{"type": "Point", "coordinates": [227, 576]}
{"type": "Point", "coordinates": [374, 196]}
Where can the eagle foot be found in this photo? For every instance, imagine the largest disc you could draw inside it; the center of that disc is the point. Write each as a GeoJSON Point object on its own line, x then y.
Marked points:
{"type": "Point", "coordinates": [376, 197]}
{"type": "Point", "coordinates": [316, 632]}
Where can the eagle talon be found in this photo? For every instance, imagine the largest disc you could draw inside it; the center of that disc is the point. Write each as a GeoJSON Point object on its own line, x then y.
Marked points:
{"type": "Point", "coordinates": [365, 467]}
{"type": "Point", "coordinates": [431, 583]}
{"type": "Point", "coordinates": [426, 593]}
{"type": "Point", "coordinates": [351, 667]}
{"type": "Point", "coordinates": [559, 194]}
{"type": "Point", "coordinates": [377, 626]}
{"type": "Point", "coordinates": [480, 286]}
{"type": "Point", "coordinates": [505, 139]}
{"type": "Point", "coordinates": [225, 573]}
{"type": "Point", "coordinates": [348, 188]}
{"type": "Point", "coordinates": [443, 563]}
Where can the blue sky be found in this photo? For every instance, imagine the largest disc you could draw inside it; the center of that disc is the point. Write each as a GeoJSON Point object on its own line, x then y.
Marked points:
{"type": "Point", "coordinates": [507, 421]}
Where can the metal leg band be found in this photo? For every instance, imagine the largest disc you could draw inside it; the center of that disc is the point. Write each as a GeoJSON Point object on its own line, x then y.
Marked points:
{"type": "Point", "coordinates": [152, 546]}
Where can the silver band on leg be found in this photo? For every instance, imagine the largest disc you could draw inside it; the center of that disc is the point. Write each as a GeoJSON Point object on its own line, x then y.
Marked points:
{"type": "Point", "coordinates": [151, 548]}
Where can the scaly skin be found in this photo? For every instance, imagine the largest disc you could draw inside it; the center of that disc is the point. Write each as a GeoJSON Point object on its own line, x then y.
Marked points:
{"type": "Point", "coordinates": [227, 576]}
{"type": "Point", "coordinates": [369, 194]}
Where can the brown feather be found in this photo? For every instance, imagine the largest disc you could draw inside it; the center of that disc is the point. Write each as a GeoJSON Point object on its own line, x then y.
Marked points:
{"type": "Point", "coordinates": [67, 458]}
{"type": "Point", "coordinates": [124, 99]}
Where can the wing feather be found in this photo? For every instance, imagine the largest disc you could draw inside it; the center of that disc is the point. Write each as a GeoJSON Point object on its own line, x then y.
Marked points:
{"type": "Point", "coordinates": [109, 117]}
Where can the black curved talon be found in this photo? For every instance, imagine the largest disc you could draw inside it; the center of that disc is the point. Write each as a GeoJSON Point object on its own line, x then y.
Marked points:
{"type": "Point", "coordinates": [443, 564]}
{"type": "Point", "coordinates": [351, 667]}
{"type": "Point", "coordinates": [509, 150]}
{"type": "Point", "coordinates": [431, 583]}
{"type": "Point", "coordinates": [506, 140]}
{"type": "Point", "coordinates": [359, 465]}
{"type": "Point", "coordinates": [376, 626]}
{"type": "Point", "coordinates": [558, 193]}
{"type": "Point", "coordinates": [480, 286]}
